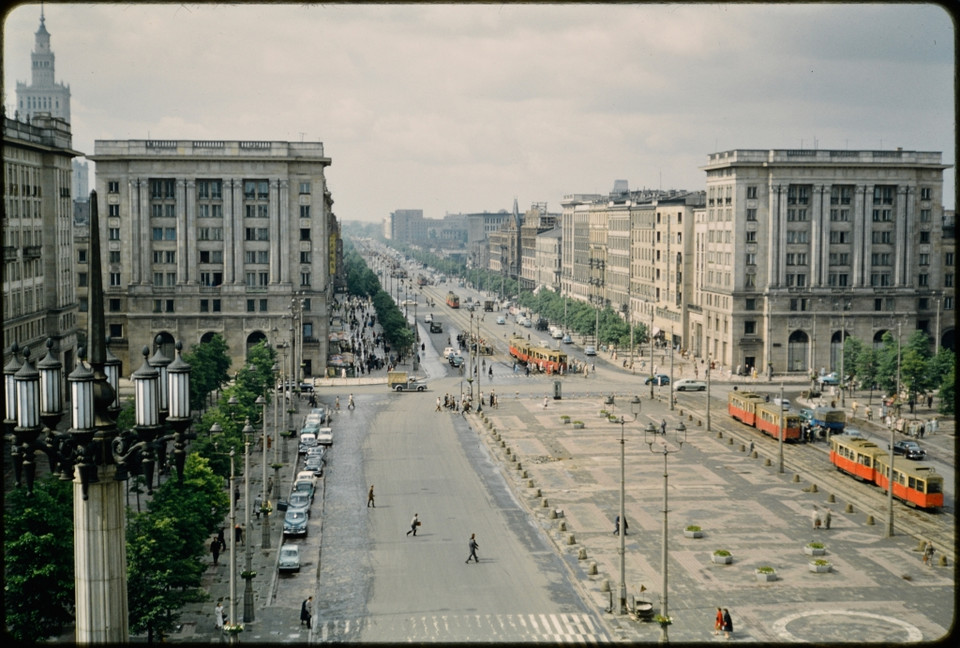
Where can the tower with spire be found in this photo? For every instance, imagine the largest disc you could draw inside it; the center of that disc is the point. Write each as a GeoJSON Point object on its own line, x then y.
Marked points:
{"type": "Point", "coordinates": [43, 94]}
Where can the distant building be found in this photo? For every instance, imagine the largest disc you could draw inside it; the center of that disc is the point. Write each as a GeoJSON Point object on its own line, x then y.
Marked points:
{"type": "Point", "coordinates": [229, 237]}
{"type": "Point", "coordinates": [406, 226]}
{"type": "Point", "coordinates": [81, 180]}
{"type": "Point", "coordinates": [40, 269]}
{"type": "Point", "coordinates": [547, 259]}
{"type": "Point", "coordinates": [43, 94]}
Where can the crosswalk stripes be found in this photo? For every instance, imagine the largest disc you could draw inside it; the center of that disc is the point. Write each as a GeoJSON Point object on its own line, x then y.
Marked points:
{"type": "Point", "coordinates": [497, 628]}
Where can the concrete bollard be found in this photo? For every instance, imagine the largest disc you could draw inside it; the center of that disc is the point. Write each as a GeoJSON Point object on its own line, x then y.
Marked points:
{"type": "Point", "coordinates": [582, 553]}
{"type": "Point", "coordinates": [503, 444]}
{"type": "Point", "coordinates": [544, 503]}
{"type": "Point", "coordinates": [519, 467]}
{"type": "Point", "coordinates": [507, 451]}
{"type": "Point", "coordinates": [767, 462]}
{"type": "Point", "coordinates": [743, 448]}
{"type": "Point", "coordinates": [870, 521]}
{"type": "Point", "coordinates": [849, 508]}
{"type": "Point", "coordinates": [562, 525]}
{"type": "Point", "coordinates": [796, 478]}
{"type": "Point", "coordinates": [831, 499]}
{"type": "Point", "coordinates": [605, 585]}
{"type": "Point", "coordinates": [730, 441]}
{"type": "Point", "coordinates": [943, 561]}
{"type": "Point", "coordinates": [552, 514]}
{"type": "Point", "coordinates": [921, 545]}
{"type": "Point", "coordinates": [719, 434]}
{"type": "Point", "coordinates": [698, 422]}
{"type": "Point", "coordinates": [529, 483]}
{"type": "Point", "coordinates": [592, 569]}
{"type": "Point", "coordinates": [537, 493]}
{"type": "Point", "coordinates": [753, 455]}
{"type": "Point", "coordinates": [524, 474]}
{"type": "Point", "coordinates": [689, 416]}
{"type": "Point", "coordinates": [571, 540]}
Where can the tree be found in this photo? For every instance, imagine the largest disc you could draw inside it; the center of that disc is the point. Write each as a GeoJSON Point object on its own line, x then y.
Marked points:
{"type": "Point", "coordinates": [209, 369]}
{"type": "Point", "coordinates": [165, 547]}
{"type": "Point", "coordinates": [38, 561]}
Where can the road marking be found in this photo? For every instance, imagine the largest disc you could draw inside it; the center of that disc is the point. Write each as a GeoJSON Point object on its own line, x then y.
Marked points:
{"type": "Point", "coordinates": [558, 628]}
{"type": "Point", "coordinates": [913, 634]}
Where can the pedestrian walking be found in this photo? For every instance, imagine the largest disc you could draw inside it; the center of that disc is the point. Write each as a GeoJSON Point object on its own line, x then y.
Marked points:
{"type": "Point", "coordinates": [616, 527]}
{"type": "Point", "coordinates": [414, 523]}
{"type": "Point", "coordinates": [815, 518]}
{"type": "Point", "coordinates": [826, 519]}
{"type": "Point", "coordinates": [727, 624]}
{"type": "Point", "coordinates": [545, 401]}
{"type": "Point", "coordinates": [438, 404]}
{"type": "Point", "coordinates": [473, 548]}
{"type": "Point", "coordinates": [928, 554]}
{"type": "Point", "coordinates": [350, 404]}
{"type": "Point", "coordinates": [218, 615]}
{"type": "Point", "coordinates": [305, 615]}
{"type": "Point", "coordinates": [221, 540]}
{"type": "Point", "coordinates": [718, 623]}
{"type": "Point", "coordinates": [256, 507]}
{"type": "Point", "coordinates": [370, 498]}
{"type": "Point", "coordinates": [215, 550]}
{"type": "Point", "coordinates": [336, 404]}
{"type": "Point", "coordinates": [238, 534]}
{"type": "Point", "coordinates": [663, 427]}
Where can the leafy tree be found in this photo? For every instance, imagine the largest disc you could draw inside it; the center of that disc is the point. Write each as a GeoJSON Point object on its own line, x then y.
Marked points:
{"type": "Point", "coordinates": [914, 365]}
{"type": "Point", "coordinates": [209, 369]}
{"type": "Point", "coordinates": [948, 392]}
{"type": "Point", "coordinates": [165, 547]}
{"type": "Point", "coordinates": [38, 561]}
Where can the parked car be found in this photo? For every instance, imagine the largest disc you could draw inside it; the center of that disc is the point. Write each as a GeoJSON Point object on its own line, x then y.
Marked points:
{"type": "Point", "coordinates": [659, 379]}
{"type": "Point", "coordinates": [314, 465]}
{"type": "Point", "coordinates": [306, 474]}
{"type": "Point", "coordinates": [455, 360]}
{"type": "Point", "coordinates": [289, 559]}
{"type": "Point", "coordinates": [304, 486]}
{"type": "Point", "coordinates": [295, 523]}
{"type": "Point", "coordinates": [307, 441]}
{"type": "Point", "coordinates": [319, 414]}
{"type": "Point", "coordinates": [567, 339]}
{"type": "Point", "coordinates": [315, 451]}
{"type": "Point", "coordinates": [689, 384]}
{"type": "Point", "coordinates": [501, 320]}
{"type": "Point", "coordinates": [590, 350]}
{"type": "Point", "coordinates": [909, 449]}
{"type": "Point", "coordinates": [299, 501]}
{"type": "Point", "coordinates": [557, 335]}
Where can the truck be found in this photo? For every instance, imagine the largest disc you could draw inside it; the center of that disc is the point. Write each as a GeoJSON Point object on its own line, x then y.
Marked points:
{"type": "Point", "coordinates": [402, 381]}
{"type": "Point", "coordinates": [488, 306]}
{"type": "Point", "coordinates": [436, 327]}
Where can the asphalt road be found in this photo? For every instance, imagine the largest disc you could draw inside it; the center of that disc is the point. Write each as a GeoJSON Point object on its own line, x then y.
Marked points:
{"type": "Point", "coordinates": [378, 584]}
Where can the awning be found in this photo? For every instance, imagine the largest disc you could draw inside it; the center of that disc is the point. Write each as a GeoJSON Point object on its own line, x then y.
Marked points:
{"type": "Point", "coordinates": [656, 331]}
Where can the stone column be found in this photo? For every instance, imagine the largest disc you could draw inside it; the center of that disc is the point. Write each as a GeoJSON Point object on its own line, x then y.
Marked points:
{"type": "Point", "coordinates": [189, 276]}
{"type": "Point", "coordinates": [100, 561]}
{"type": "Point", "coordinates": [819, 235]}
{"type": "Point", "coordinates": [903, 250]}
{"type": "Point", "coordinates": [183, 237]}
{"type": "Point", "coordinates": [862, 233]}
{"type": "Point", "coordinates": [285, 217]}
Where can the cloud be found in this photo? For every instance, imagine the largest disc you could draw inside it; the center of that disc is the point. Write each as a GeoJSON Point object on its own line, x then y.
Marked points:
{"type": "Point", "coordinates": [463, 107]}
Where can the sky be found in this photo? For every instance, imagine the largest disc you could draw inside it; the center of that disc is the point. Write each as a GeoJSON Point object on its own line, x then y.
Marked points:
{"type": "Point", "coordinates": [466, 107]}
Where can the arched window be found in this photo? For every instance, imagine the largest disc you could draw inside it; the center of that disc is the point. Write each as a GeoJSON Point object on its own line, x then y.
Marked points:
{"type": "Point", "coordinates": [798, 350]}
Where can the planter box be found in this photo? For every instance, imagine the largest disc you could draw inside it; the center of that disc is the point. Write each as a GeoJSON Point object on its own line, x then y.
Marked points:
{"type": "Point", "coordinates": [578, 426]}
{"type": "Point", "coordinates": [692, 534]}
{"type": "Point", "coordinates": [721, 560]}
{"type": "Point", "coordinates": [765, 577]}
{"type": "Point", "coordinates": [564, 420]}
{"type": "Point", "coordinates": [815, 551]}
{"type": "Point", "coordinates": [819, 569]}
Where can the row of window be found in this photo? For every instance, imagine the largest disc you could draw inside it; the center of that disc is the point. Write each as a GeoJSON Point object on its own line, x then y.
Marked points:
{"type": "Point", "coordinates": [208, 233]}
{"type": "Point", "coordinates": [165, 189]}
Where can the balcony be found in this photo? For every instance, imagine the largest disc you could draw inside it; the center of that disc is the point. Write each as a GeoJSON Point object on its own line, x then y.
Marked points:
{"type": "Point", "coordinates": [31, 252]}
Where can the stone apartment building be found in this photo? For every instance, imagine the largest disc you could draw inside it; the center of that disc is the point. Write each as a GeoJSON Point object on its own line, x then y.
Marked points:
{"type": "Point", "coordinates": [204, 237]}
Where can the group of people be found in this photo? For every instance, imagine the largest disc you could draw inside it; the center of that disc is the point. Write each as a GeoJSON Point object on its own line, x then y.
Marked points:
{"type": "Point", "coordinates": [820, 521]}
{"type": "Point", "coordinates": [723, 623]}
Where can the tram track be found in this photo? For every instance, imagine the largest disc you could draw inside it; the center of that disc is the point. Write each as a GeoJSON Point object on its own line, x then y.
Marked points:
{"type": "Point", "coordinates": [812, 464]}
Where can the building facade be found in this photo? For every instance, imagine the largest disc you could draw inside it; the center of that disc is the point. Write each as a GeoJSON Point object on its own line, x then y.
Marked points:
{"type": "Point", "coordinates": [801, 248]}
{"type": "Point", "coordinates": [39, 280]}
{"type": "Point", "coordinates": [235, 238]}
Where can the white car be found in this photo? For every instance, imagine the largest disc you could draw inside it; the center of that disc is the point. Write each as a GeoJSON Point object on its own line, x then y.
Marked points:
{"type": "Point", "coordinates": [689, 384]}
{"type": "Point", "coordinates": [428, 318]}
{"type": "Point", "coordinates": [306, 474]}
{"type": "Point", "coordinates": [784, 404]}
{"type": "Point", "coordinates": [449, 351]}
{"type": "Point", "coordinates": [289, 559]}
{"type": "Point", "coordinates": [307, 441]}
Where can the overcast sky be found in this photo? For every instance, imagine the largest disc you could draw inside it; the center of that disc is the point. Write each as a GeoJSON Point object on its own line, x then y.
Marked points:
{"type": "Point", "coordinates": [462, 108]}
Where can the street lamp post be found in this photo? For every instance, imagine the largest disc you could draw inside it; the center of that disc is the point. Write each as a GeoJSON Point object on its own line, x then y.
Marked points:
{"type": "Point", "coordinates": [651, 435]}
{"type": "Point", "coordinates": [671, 369]}
{"type": "Point", "coordinates": [276, 434]}
{"type": "Point", "coordinates": [708, 372]}
{"type": "Point", "coordinates": [621, 526]}
{"type": "Point", "coordinates": [264, 495]}
{"type": "Point", "coordinates": [217, 429]}
{"type": "Point", "coordinates": [843, 343]}
{"type": "Point", "coordinates": [247, 575]}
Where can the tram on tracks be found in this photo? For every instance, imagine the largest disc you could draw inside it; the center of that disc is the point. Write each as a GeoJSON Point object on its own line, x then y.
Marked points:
{"type": "Point", "coordinates": [453, 300]}
{"type": "Point", "coordinates": [751, 409]}
{"type": "Point", "coordinates": [916, 484]}
{"type": "Point", "coordinates": [545, 359]}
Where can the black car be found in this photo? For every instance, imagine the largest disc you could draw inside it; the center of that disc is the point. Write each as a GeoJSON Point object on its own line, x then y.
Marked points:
{"type": "Point", "coordinates": [909, 449]}
{"type": "Point", "coordinates": [455, 360]}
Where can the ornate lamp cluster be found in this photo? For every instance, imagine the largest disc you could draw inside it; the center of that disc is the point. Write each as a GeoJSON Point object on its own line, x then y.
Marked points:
{"type": "Point", "coordinates": [34, 407]}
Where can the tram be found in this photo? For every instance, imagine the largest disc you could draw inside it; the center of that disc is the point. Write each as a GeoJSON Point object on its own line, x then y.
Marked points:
{"type": "Point", "coordinates": [914, 483]}
{"type": "Point", "coordinates": [541, 358]}
{"type": "Point", "coordinates": [750, 408]}
{"type": "Point", "coordinates": [453, 300]}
